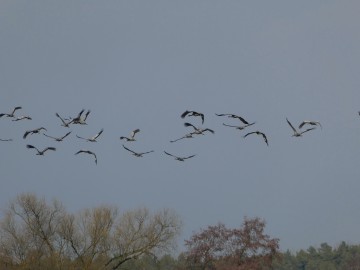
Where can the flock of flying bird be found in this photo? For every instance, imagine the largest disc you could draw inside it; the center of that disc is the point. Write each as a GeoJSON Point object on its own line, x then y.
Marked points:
{"type": "Point", "coordinates": [81, 117]}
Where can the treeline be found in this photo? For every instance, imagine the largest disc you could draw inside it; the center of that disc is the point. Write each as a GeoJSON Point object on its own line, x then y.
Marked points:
{"type": "Point", "coordinates": [35, 234]}
{"type": "Point", "coordinates": [342, 257]}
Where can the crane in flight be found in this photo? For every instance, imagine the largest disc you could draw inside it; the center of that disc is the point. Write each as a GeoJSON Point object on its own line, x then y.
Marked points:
{"type": "Point", "coordinates": [12, 114]}
{"type": "Point", "coordinates": [186, 136]}
{"type": "Point", "coordinates": [79, 119]}
{"type": "Point", "coordinates": [230, 115]}
{"type": "Point", "coordinates": [5, 140]}
{"type": "Point", "coordinates": [58, 139]}
{"type": "Point", "coordinates": [239, 127]}
{"type": "Point", "coordinates": [87, 152]}
{"type": "Point", "coordinates": [64, 123]}
{"type": "Point", "coordinates": [132, 136]}
{"type": "Point", "coordinates": [258, 133]}
{"type": "Point", "coordinates": [193, 113]}
{"type": "Point", "coordinates": [34, 131]}
{"type": "Point", "coordinates": [179, 158]}
{"type": "Point", "coordinates": [42, 152]}
{"type": "Point", "coordinates": [198, 131]}
{"type": "Point", "coordinates": [22, 117]}
{"type": "Point", "coordinates": [137, 154]}
{"type": "Point", "coordinates": [93, 138]}
{"type": "Point", "coordinates": [297, 133]}
{"type": "Point", "coordinates": [312, 123]}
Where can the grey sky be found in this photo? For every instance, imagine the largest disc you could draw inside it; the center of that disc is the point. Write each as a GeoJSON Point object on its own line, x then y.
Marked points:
{"type": "Point", "coordinates": [140, 64]}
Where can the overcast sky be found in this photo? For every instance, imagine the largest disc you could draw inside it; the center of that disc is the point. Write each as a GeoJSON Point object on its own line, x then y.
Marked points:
{"type": "Point", "coordinates": [140, 64]}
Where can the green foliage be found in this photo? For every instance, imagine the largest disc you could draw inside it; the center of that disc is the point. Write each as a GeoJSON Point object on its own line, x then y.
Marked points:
{"type": "Point", "coordinates": [343, 257]}
{"type": "Point", "coordinates": [149, 262]}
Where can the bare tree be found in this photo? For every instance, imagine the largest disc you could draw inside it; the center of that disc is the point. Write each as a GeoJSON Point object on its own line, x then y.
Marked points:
{"type": "Point", "coordinates": [38, 235]}
{"type": "Point", "coordinates": [87, 234]}
{"type": "Point", "coordinates": [218, 247]}
{"type": "Point", "coordinates": [140, 232]}
{"type": "Point", "coordinates": [29, 230]}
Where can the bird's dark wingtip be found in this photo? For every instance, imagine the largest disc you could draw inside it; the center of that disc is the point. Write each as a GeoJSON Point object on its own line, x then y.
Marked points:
{"type": "Point", "coordinates": [184, 114]}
